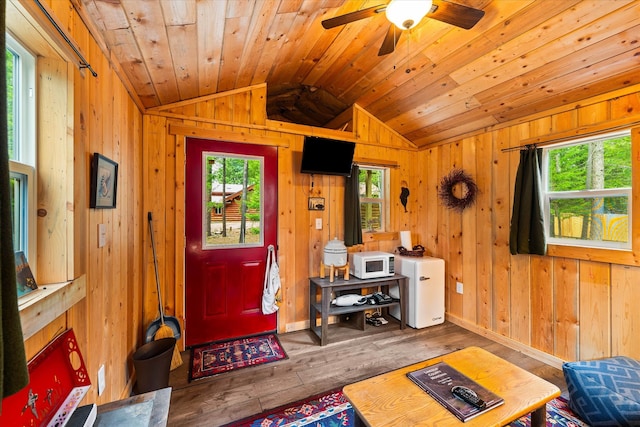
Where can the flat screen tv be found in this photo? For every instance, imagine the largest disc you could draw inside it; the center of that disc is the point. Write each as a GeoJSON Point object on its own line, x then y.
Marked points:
{"type": "Point", "coordinates": [324, 156]}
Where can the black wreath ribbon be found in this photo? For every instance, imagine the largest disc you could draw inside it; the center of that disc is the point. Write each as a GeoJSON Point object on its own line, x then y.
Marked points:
{"type": "Point", "coordinates": [450, 200]}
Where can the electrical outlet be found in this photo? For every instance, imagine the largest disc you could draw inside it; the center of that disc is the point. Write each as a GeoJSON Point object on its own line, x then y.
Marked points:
{"type": "Point", "coordinates": [459, 287]}
{"type": "Point", "coordinates": [101, 380]}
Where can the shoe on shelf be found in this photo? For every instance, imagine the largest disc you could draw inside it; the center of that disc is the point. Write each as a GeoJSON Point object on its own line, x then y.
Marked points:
{"type": "Point", "coordinates": [382, 298]}
{"type": "Point", "coordinates": [373, 321]}
{"type": "Point", "coordinates": [380, 318]}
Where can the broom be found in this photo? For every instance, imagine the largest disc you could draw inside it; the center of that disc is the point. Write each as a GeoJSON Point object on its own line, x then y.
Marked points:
{"type": "Point", "coordinates": [164, 331]}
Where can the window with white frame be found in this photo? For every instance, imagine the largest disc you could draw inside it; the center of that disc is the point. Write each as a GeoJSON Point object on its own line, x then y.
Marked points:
{"type": "Point", "coordinates": [373, 198]}
{"type": "Point", "coordinates": [21, 111]}
{"type": "Point", "coordinates": [587, 192]}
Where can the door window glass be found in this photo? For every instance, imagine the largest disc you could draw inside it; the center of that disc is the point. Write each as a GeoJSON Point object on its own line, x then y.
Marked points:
{"type": "Point", "coordinates": [232, 208]}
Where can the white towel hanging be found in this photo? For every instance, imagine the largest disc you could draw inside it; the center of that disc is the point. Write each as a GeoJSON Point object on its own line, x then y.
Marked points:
{"type": "Point", "coordinates": [271, 283]}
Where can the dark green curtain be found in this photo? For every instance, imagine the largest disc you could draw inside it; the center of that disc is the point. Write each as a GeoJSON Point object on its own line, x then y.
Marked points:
{"type": "Point", "coordinates": [352, 221]}
{"type": "Point", "coordinates": [527, 220]}
{"type": "Point", "coordinates": [13, 365]}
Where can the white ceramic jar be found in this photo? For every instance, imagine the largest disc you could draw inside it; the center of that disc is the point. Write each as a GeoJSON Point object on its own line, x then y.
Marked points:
{"type": "Point", "coordinates": [335, 253]}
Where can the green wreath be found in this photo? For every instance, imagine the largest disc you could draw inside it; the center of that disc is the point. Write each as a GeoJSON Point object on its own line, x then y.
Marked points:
{"type": "Point", "coordinates": [469, 190]}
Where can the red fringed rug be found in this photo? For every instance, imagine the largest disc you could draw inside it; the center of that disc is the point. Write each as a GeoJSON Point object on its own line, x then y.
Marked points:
{"type": "Point", "coordinates": [214, 358]}
{"type": "Point", "coordinates": [330, 409]}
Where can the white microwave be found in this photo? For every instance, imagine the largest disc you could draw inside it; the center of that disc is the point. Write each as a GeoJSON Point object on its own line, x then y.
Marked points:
{"type": "Point", "coordinates": [370, 265]}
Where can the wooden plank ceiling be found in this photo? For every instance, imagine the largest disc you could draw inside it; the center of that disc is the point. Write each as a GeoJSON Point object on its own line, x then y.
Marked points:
{"type": "Point", "coordinates": [441, 82]}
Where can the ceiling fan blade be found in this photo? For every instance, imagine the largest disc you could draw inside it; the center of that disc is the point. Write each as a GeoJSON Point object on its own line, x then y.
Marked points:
{"type": "Point", "coordinates": [390, 41]}
{"type": "Point", "coordinates": [455, 14]}
{"type": "Point", "coordinates": [336, 21]}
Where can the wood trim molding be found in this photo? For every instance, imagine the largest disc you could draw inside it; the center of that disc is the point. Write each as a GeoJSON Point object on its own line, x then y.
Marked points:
{"type": "Point", "coordinates": [207, 120]}
{"type": "Point", "coordinates": [549, 359]}
{"type": "Point", "coordinates": [306, 130]}
{"type": "Point", "coordinates": [376, 162]}
{"type": "Point", "coordinates": [241, 136]}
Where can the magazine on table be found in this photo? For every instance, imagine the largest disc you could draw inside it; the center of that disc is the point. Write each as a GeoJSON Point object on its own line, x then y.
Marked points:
{"type": "Point", "coordinates": [438, 380]}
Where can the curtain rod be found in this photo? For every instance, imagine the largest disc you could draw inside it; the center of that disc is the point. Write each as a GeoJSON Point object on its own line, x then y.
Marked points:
{"type": "Point", "coordinates": [83, 62]}
{"type": "Point", "coordinates": [519, 147]}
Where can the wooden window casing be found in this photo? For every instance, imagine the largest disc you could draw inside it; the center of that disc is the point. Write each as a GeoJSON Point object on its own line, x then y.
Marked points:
{"type": "Point", "coordinates": [615, 256]}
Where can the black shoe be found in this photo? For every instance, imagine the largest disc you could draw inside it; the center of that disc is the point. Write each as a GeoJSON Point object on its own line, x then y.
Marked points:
{"type": "Point", "coordinates": [382, 298]}
{"type": "Point", "coordinates": [373, 321]}
{"type": "Point", "coordinates": [380, 318]}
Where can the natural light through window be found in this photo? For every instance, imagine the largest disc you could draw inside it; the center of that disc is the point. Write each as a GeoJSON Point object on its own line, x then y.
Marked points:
{"type": "Point", "coordinates": [20, 64]}
{"type": "Point", "coordinates": [372, 184]}
{"type": "Point", "coordinates": [587, 197]}
{"type": "Point", "coordinates": [233, 206]}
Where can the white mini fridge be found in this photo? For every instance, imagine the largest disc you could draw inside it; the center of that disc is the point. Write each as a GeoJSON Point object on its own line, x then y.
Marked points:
{"type": "Point", "coordinates": [426, 290]}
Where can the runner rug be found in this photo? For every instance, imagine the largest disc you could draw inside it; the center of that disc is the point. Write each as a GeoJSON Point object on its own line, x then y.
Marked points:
{"type": "Point", "coordinates": [214, 358]}
{"type": "Point", "coordinates": [332, 409]}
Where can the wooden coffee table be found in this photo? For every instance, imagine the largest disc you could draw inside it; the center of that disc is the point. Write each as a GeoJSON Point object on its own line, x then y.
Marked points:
{"type": "Point", "coordinates": [392, 399]}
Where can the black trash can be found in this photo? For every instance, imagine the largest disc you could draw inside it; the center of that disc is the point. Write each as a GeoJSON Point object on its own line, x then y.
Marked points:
{"type": "Point", "coordinates": [152, 362]}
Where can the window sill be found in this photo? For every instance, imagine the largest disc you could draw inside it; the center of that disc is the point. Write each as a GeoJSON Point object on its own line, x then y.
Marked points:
{"type": "Point", "coordinates": [51, 301]}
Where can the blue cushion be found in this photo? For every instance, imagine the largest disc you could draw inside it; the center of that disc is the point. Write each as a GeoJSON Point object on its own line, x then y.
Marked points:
{"type": "Point", "coordinates": [605, 392]}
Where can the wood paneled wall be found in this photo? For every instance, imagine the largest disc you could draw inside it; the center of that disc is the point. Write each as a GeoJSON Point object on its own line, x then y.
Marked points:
{"type": "Point", "coordinates": [564, 307]}
{"type": "Point", "coordinates": [240, 116]}
{"type": "Point", "coordinates": [571, 306]}
{"type": "Point", "coordinates": [79, 114]}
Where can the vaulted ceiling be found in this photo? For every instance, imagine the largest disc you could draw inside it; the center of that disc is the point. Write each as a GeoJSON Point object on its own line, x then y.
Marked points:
{"type": "Point", "coordinates": [441, 81]}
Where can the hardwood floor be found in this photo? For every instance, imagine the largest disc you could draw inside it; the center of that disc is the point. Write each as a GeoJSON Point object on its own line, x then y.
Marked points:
{"type": "Point", "coordinates": [312, 369]}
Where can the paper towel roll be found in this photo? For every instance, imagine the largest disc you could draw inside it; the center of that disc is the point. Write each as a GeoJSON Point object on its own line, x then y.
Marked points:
{"type": "Point", "coordinates": [405, 240]}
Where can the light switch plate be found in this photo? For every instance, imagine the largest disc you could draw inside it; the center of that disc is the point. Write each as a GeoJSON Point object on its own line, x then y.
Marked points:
{"type": "Point", "coordinates": [102, 235]}
{"type": "Point", "coordinates": [101, 380]}
{"type": "Point", "coordinates": [318, 223]}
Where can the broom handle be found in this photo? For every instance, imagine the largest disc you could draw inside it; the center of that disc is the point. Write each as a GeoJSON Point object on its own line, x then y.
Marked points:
{"type": "Point", "coordinates": [155, 265]}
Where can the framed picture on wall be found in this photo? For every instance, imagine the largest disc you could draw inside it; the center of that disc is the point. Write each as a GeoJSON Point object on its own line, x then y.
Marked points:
{"type": "Point", "coordinates": [104, 182]}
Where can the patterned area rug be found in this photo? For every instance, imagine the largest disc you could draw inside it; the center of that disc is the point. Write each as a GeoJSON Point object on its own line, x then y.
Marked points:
{"type": "Point", "coordinates": [332, 409]}
{"type": "Point", "coordinates": [558, 415]}
{"type": "Point", "coordinates": [214, 358]}
{"type": "Point", "coordinates": [329, 409]}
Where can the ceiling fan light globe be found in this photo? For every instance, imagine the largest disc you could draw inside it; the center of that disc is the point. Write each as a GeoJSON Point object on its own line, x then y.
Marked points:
{"type": "Point", "coordinates": [406, 14]}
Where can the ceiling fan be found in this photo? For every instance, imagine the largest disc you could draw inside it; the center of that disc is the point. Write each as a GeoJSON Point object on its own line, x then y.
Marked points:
{"type": "Point", "coordinates": [406, 14]}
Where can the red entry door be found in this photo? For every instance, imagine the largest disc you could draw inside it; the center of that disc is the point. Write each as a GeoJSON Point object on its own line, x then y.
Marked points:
{"type": "Point", "coordinates": [231, 219]}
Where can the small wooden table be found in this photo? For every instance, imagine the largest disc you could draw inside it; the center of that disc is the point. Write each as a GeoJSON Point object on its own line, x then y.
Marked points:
{"type": "Point", "coordinates": [392, 399]}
